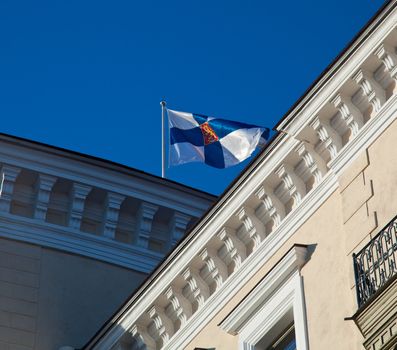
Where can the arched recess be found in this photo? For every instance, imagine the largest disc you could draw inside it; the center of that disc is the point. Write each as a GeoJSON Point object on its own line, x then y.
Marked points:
{"type": "Point", "coordinates": [94, 211]}
{"type": "Point", "coordinates": [24, 194]}
{"type": "Point", "coordinates": [59, 203]}
{"type": "Point", "coordinates": [126, 226]}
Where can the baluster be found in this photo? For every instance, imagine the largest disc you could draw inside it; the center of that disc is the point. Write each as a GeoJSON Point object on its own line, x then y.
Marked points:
{"type": "Point", "coordinates": [114, 201]}
{"type": "Point", "coordinates": [44, 186]}
{"type": "Point", "coordinates": [79, 194]}
{"type": "Point", "coordinates": [9, 175]}
{"type": "Point", "coordinates": [233, 249]}
{"type": "Point", "coordinates": [145, 217]}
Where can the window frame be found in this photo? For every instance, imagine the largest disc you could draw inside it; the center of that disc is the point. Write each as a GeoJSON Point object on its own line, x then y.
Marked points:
{"type": "Point", "coordinates": [271, 300]}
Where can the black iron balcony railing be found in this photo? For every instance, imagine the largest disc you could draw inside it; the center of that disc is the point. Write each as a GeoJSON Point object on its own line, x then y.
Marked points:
{"type": "Point", "coordinates": [375, 264]}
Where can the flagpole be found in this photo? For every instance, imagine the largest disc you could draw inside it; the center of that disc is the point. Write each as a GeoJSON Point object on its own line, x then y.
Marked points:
{"type": "Point", "coordinates": [163, 107]}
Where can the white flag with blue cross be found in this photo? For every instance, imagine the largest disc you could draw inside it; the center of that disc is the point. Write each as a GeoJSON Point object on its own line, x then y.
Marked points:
{"type": "Point", "coordinates": [217, 142]}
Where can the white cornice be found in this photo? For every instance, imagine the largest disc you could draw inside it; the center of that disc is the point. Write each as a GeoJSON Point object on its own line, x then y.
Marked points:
{"type": "Point", "coordinates": [216, 301]}
{"type": "Point", "coordinates": [170, 195]}
{"type": "Point", "coordinates": [73, 241]}
{"type": "Point", "coordinates": [342, 70]}
{"type": "Point", "coordinates": [370, 132]}
{"type": "Point", "coordinates": [241, 192]}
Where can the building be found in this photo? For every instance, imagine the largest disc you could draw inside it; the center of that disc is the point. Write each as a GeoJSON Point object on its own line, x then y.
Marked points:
{"type": "Point", "coordinates": [300, 251]}
{"type": "Point", "coordinates": [77, 236]}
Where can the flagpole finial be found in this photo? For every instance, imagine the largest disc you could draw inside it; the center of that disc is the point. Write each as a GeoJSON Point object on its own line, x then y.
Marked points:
{"type": "Point", "coordinates": [163, 103]}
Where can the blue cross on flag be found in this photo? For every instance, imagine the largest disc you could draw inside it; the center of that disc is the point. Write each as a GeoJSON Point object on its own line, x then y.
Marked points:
{"type": "Point", "coordinates": [217, 142]}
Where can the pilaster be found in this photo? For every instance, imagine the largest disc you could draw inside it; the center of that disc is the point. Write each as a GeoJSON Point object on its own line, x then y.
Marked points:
{"type": "Point", "coordinates": [79, 194]}
{"type": "Point", "coordinates": [145, 217]}
{"type": "Point", "coordinates": [44, 186]}
{"type": "Point", "coordinates": [112, 213]}
{"type": "Point", "coordinates": [9, 175]}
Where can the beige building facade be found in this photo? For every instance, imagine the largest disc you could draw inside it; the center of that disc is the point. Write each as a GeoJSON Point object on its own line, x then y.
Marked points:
{"type": "Point", "coordinates": [300, 252]}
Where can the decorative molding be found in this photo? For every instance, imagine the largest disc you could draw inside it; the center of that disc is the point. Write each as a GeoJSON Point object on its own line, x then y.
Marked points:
{"type": "Point", "coordinates": [44, 185]}
{"type": "Point", "coordinates": [291, 170]}
{"type": "Point", "coordinates": [114, 201]}
{"type": "Point", "coordinates": [73, 241]}
{"type": "Point", "coordinates": [286, 299]}
{"type": "Point", "coordinates": [293, 261]}
{"type": "Point", "coordinates": [355, 56]}
{"type": "Point", "coordinates": [111, 178]}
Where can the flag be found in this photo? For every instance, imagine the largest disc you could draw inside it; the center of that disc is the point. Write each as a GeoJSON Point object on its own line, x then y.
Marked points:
{"type": "Point", "coordinates": [217, 142]}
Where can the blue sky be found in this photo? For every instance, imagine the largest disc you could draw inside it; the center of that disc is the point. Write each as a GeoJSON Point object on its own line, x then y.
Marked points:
{"type": "Point", "coordinates": [89, 75]}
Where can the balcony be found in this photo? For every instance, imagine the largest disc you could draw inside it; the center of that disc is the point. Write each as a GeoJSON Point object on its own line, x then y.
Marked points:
{"type": "Point", "coordinates": [376, 286]}
{"type": "Point", "coordinates": [375, 264]}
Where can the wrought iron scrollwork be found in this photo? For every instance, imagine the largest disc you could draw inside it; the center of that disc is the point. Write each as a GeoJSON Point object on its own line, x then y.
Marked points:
{"type": "Point", "coordinates": [376, 264]}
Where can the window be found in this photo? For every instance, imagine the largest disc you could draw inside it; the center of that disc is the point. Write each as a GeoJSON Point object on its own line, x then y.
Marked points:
{"type": "Point", "coordinates": [272, 316]}
{"type": "Point", "coordinates": [286, 341]}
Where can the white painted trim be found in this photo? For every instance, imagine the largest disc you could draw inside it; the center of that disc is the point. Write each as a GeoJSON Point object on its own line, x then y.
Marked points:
{"type": "Point", "coordinates": [77, 242]}
{"type": "Point", "coordinates": [367, 135]}
{"type": "Point", "coordinates": [290, 263]}
{"type": "Point", "coordinates": [342, 70]}
{"type": "Point", "coordinates": [243, 188]}
{"type": "Point", "coordinates": [264, 317]}
{"type": "Point", "coordinates": [99, 174]}
{"type": "Point", "coordinates": [311, 202]}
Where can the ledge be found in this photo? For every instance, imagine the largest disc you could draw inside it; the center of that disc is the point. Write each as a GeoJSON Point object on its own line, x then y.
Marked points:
{"type": "Point", "coordinates": [73, 241]}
